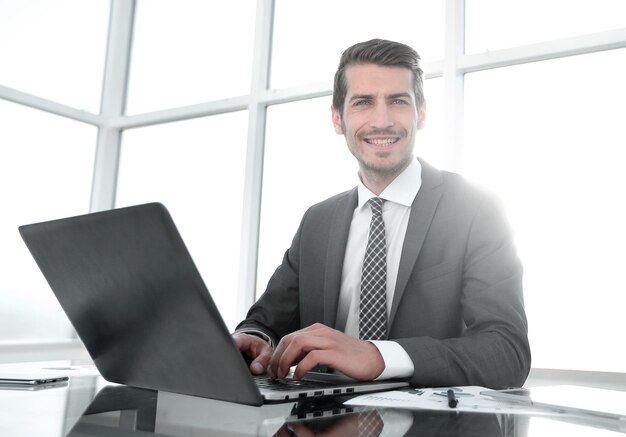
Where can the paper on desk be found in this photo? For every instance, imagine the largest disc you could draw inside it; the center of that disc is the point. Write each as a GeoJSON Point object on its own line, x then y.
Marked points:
{"type": "Point", "coordinates": [469, 398]}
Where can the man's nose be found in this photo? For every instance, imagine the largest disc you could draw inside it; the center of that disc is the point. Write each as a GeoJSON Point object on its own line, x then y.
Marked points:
{"type": "Point", "coordinates": [381, 117]}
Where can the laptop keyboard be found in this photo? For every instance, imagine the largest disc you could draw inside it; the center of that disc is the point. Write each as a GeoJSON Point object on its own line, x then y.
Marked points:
{"type": "Point", "coordinates": [288, 384]}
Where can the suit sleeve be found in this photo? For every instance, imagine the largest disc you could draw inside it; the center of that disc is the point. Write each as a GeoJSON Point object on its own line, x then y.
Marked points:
{"type": "Point", "coordinates": [493, 349]}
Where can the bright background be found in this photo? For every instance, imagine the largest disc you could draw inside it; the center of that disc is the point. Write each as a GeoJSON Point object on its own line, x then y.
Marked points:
{"type": "Point", "coordinates": [524, 98]}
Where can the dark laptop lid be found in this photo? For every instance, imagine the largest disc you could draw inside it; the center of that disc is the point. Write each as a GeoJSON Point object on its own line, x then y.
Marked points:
{"type": "Point", "coordinates": [130, 288]}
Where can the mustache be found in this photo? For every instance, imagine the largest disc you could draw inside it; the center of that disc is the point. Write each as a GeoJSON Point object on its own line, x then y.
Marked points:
{"type": "Point", "coordinates": [383, 132]}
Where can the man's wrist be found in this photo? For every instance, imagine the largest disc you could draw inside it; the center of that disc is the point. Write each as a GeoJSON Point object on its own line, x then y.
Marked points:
{"type": "Point", "coordinates": [256, 333]}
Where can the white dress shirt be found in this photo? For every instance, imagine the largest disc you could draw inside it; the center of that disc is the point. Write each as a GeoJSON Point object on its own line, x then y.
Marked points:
{"type": "Point", "coordinates": [398, 196]}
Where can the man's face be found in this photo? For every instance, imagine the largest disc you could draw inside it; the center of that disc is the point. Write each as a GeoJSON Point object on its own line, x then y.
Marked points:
{"type": "Point", "coordinates": [379, 119]}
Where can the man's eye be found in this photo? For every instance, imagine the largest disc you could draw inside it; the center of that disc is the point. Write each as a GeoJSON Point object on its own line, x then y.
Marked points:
{"type": "Point", "coordinates": [361, 102]}
{"type": "Point", "coordinates": [400, 102]}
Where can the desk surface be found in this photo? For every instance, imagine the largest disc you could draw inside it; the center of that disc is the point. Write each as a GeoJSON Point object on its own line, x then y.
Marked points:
{"type": "Point", "coordinates": [89, 406]}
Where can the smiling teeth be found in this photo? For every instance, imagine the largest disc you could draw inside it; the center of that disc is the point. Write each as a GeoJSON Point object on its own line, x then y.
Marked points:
{"type": "Point", "coordinates": [384, 142]}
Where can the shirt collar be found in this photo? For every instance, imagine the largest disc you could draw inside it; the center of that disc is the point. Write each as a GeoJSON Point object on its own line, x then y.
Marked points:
{"type": "Point", "coordinates": [401, 190]}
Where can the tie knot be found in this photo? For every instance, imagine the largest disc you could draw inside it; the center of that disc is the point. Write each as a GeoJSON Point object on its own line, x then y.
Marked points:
{"type": "Point", "coordinates": [376, 203]}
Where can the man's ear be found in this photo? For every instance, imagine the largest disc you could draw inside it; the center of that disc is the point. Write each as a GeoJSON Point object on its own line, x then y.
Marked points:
{"type": "Point", "coordinates": [421, 117]}
{"type": "Point", "coordinates": [336, 121]}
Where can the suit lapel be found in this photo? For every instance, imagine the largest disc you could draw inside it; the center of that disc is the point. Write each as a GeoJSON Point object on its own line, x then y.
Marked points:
{"type": "Point", "coordinates": [337, 241]}
{"type": "Point", "coordinates": [422, 213]}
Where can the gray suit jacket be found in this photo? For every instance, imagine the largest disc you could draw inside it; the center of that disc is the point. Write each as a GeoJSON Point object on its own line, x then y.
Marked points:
{"type": "Point", "coordinates": [458, 308]}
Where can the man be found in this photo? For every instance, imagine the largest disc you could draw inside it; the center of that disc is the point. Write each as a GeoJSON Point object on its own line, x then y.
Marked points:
{"type": "Point", "coordinates": [451, 283]}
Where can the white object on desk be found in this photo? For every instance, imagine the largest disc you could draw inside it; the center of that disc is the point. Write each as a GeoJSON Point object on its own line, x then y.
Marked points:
{"type": "Point", "coordinates": [568, 399]}
{"type": "Point", "coordinates": [47, 368]}
{"type": "Point", "coordinates": [469, 398]}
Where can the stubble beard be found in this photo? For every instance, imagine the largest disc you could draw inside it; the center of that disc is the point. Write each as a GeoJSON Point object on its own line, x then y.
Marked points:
{"type": "Point", "coordinates": [373, 171]}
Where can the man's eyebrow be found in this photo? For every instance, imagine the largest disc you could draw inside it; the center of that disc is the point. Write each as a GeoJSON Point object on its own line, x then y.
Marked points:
{"type": "Point", "coordinates": [371, 96]}
{"type": "Point", "coordinates": [397, 95]}
{"type": "Point", "coordinates": [361, 96]}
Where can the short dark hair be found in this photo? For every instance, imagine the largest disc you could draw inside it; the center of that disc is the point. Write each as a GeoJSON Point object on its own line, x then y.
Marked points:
{"type": "Point", "coordinates": [379, 52]}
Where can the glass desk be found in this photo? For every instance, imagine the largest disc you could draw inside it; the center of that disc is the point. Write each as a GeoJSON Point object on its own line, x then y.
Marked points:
{"type": "Point", "coordinates": [89, 406]}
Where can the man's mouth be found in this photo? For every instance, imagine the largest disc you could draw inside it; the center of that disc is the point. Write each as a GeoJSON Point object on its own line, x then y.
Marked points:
{"type": "Point", "coordinates": [381, 141]}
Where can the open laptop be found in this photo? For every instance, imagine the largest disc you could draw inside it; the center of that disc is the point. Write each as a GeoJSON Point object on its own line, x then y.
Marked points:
{"type": "Point", "coordinates": [137, 301]}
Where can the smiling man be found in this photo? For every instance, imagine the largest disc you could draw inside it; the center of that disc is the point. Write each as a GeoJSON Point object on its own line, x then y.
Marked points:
{"type": "Point", "coordinates": [412, 274]}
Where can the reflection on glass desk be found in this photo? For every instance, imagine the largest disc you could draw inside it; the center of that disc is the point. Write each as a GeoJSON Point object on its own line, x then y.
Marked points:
{"type": "Point", "coordinates": [89, 406]}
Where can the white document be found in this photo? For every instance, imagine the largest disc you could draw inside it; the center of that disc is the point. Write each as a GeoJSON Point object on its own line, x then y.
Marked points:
{"type": "Point", "coordinates": [469, 399]}
{"type": "Point", "coordinates": [569, 399]}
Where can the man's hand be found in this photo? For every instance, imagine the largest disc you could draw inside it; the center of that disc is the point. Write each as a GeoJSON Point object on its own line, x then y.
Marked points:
{"type": "Point", "coordinates": [256, 349]}
{"type": "Point", "coordinates": [321, 345]}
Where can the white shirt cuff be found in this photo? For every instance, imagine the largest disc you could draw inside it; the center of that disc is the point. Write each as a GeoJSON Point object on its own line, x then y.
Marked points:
{"type": "Point", "coordinates": [398, 364]}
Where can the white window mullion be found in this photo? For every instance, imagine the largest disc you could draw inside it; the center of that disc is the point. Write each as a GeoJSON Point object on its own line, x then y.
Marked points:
{"type": "Point", "coordinates": [254, 156]}
{"type": "Point", "coordinates": [113, 102]}
{"type": "Point", "coordinates": [32, 101]}
{"type": "Point", "coordinates": [453, 80]}
{"type": "Point", "coordinates": [577, 45]}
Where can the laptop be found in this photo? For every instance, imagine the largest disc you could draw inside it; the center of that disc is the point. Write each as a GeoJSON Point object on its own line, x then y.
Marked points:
{"type": "Point", "coordinates": [137, 301]}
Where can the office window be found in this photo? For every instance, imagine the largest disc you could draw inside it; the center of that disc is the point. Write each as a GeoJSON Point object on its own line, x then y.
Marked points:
{"type": "Point", "coordinates": [310, 36]}
{"type": "Point", "coordinates": [190, 51]}
{"type": "Point", "coordinates": [45, 173]}
{"type": "Point", "coordinates": [430, 141]}
{"type": "Point", "coordinates": [55, 49]}
{"type": "Point", "coordinates": [549, 138]}
{"type": "Point", "coordinates": [307, 162]}
{"type": "Point", "coordinates": [498, 24]}
{"type": "Point", "coordinates": [195, 168]}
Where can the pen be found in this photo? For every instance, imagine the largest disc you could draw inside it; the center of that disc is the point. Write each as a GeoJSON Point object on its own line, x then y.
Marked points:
{"type": "Point", "coordinates": [452, 400]}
